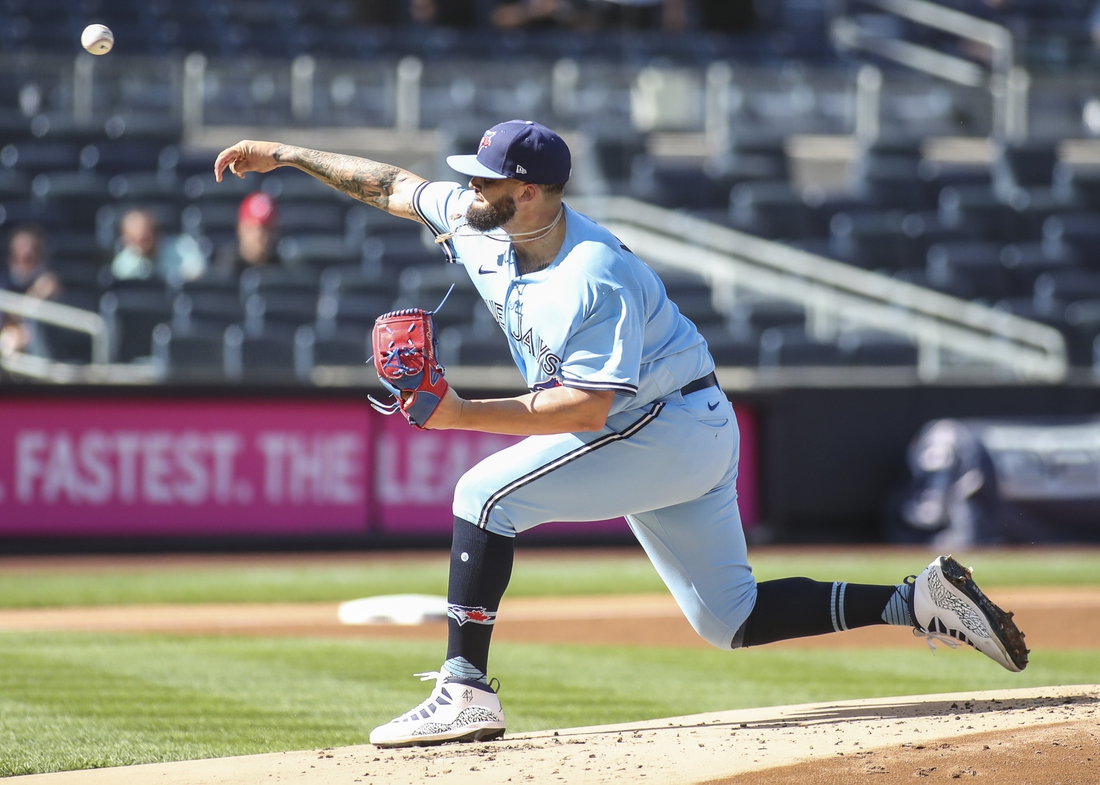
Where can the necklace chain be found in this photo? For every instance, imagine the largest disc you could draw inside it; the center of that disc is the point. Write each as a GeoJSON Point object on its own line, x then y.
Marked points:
{"type": "Point", "coordinates": [510, 237]}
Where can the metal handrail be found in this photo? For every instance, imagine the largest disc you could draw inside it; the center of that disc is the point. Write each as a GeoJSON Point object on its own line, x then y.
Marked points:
{"type": "Point", "coordinates": [65, 316]}
{"type": "Point", "coordinates": [834, 293]}
{"type": "Point", "coordinates": [997, 37]}
{"type": "Point", "coordinates": [1008, 83]}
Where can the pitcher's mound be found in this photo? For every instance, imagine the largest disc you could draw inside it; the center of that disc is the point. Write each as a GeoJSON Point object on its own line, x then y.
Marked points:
{"type": "Point", "coordinates": [1040, 735]}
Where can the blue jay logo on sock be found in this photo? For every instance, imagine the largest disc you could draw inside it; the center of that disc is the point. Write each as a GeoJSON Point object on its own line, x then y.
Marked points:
{"type": "Point", "coordinates": [477, 615]}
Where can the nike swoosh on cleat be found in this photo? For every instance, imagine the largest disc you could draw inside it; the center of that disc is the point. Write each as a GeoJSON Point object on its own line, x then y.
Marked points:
{"type": "Point", "coordinates": [712, 406]}
{"type": "Point", "coordinates": [482, 271]}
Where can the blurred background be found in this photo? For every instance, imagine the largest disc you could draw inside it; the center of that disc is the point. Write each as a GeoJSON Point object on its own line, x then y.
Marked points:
{"type": "Point", "coordinates": [884, 216]}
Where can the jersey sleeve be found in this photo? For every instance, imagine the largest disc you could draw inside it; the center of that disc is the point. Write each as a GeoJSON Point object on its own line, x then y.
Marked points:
{"type": "Point", "coordinates": [605, 353]}
{"type": "Point", "coordinates": [439, 205]}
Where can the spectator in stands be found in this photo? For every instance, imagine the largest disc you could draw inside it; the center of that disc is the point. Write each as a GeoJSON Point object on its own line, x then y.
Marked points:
{"type": "Point", "coordinates": [145, 252]}
{"type": "Point", "coordinates": [257, 237]}
{"type": "Point", "coordinates": [26, 273]}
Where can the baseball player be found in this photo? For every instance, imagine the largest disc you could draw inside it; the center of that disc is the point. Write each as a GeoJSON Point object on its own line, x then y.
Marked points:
{"type": "Point", "coordinates": [624, 418]}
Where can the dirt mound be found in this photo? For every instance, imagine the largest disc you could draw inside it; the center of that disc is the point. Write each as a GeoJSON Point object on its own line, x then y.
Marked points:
{"type": "Point", "coordinates": [1042, 735]}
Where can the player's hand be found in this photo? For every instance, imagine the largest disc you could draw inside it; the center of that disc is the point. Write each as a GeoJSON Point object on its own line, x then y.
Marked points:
{"type": "Point", "coordinates": [246, 156]}
{"type": "Point", "coordinates": [447, 414]}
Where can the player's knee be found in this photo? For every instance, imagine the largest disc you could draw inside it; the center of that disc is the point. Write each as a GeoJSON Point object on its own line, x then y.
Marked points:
{"type": "Point", "coordinates": [471, 503]}
{"type": "Point", "coordinates": [720, 623]}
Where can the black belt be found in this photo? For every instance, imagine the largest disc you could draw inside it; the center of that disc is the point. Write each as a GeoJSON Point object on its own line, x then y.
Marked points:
{"type": "Point", "coordinates": [702, 383]}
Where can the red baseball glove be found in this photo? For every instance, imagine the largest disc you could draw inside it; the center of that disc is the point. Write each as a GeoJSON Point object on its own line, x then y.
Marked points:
{"type": "Point", "coordinates": [404, 356]}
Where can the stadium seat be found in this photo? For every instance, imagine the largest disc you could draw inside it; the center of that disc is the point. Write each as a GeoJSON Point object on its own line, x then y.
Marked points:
{"type": "Point", "coordinates": [390, 252]}
{"type": "Point", "coordinates": [140, 188]}
{"type": "Point", "coordinates": [1075, 232]}
{"type": "Point", "coordinates": [131, 317]}
{"type": "Point", "coordinates": [1025, 262]}
{"type": "Point", "coordinates": [206, 310]}
{"type": "Point", "coordinates": [891, 182]}
{"type": "Point", "coordinates": [772, 209]}
{"type": "Point", "coordinates": [13, 185]}
{"type": "Point", "coordinates": [692, 296]}
{"type": "Point", "coordinates": [1077, 185]}
{"type": "Point", "coordinates": [211, 282]}
{"type": "Point", "coordinates": [677, 184]}
{"type": "Point", "coordinates": [871, 240]}
{"type": "Point", "coordinates": [353, 281]}
{"type": "Point", "coordinates": [279, 312]}
{"type": "Point", "coordinates": [318, 250]}
{"type": "Point", "coordinates": [1023, 165]}
{"type": "Point", "coordinates": [275, 279]}
{"type": "Point", "coordinates": [752, 315]}
{"type": "Point", "coordinates": [426, 287]}
{"type": "Point", "coordinates": [300, 216]}
{"type": "Point", "coordinates": [974, 266]}
{"type": "Point", "coordinates": [1067, 286]}
{"type": "Point", "coordinates": [188, 355]}
{"type": "Point", "coordinates": [942, 282]}
{"type": "Point", "coordinates": [342, 312]}
{"type": "Point", "coordinates": [615, 154]}
{"type": "Point", "coordinates": [108, 158]}
{"type": "Point", "coordinates": [33, 158]}
{"type": "Point", "coordinates": [976, 208]}
{"type": "Point", "coordinates": [474, 344]}
{"type": "Point", "coordinates": [78, 194]}
{"type": "Point", "coordinates": [872, 347]}
{"type": "Point", "coordinates": [791, 346]}
{"type": "Point", "coordinates": [264, 357]}
{"type": "Point", "coordinates": [312, 350]}
{"type": "Point", "coordinates": [729, 349]}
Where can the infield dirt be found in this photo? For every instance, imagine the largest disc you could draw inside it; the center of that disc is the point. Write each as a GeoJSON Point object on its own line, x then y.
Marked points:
{"type": "Point", "coordinates": [1023, 737]}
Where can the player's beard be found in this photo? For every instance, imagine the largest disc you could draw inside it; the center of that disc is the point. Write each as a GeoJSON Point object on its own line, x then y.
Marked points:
{"type": "Point", "coordinates": [484, 217]}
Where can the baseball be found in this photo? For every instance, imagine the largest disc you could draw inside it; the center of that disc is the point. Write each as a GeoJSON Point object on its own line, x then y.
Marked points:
{"type": "Point", "coordinates": [97, 39]}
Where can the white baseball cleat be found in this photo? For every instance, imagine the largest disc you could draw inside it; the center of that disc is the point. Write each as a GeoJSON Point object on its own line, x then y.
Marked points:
{"type": "Point", "coordinates": [946, 605]}
{"type": "Point", "coordinates": [457, 710]}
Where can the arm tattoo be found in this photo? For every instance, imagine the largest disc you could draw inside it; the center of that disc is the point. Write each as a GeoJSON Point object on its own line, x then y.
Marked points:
{"type": "Point", "coordinates": [360, 178]}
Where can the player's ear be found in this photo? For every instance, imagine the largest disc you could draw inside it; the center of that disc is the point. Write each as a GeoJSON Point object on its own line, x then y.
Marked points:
{"type": "Point", "coordinates": [530, 193]}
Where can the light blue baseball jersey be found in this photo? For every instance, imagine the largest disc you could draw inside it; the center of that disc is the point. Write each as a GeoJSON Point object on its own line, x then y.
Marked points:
{"type": "Point", "coordinates": [596, 318]}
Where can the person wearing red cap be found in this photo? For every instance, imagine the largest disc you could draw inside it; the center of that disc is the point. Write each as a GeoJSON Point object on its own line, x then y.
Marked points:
{"type": "Point", "coordinates": [257, 236]}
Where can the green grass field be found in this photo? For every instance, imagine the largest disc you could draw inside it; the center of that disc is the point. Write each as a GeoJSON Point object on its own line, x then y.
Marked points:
{"type": "Point", "coordinates": [73, 700]}
{"type": "Point", "coordinates": [536, 575]}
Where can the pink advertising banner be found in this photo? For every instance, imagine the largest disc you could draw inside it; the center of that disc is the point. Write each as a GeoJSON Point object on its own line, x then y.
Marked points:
{"type": "Point", "coordinates": [126, 467]}
{"type": "Point", "coordinates": [96, 467]}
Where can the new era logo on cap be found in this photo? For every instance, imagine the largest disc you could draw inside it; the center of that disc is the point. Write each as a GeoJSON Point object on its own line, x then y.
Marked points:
{"type": "Point", "coordinates": [521, 149]}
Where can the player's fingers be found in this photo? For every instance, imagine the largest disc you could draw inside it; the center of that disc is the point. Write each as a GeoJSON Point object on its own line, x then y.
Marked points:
{"type": "Point", "coordinates": [225, 158]}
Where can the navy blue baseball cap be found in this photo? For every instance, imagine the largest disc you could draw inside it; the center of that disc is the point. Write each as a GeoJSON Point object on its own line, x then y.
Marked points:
{"type": "Point", "coordinates": [520, 149]}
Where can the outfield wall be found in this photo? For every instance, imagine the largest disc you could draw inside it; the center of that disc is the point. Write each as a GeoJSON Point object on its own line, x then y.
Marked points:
{"type": "Point", "coordinates": [77, 464]}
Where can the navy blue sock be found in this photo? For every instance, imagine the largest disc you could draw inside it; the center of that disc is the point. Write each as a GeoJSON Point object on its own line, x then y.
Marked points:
{"type": "Point", "coordinates": [799, 607]}
{"type": "Point", "coordinates": [481, 566]}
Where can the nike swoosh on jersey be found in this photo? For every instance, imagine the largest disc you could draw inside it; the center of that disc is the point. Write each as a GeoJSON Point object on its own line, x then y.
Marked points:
{"type": "Point", "coordinates": [482, 271]}
{"type": "Point", "coordinates": [712, 406]}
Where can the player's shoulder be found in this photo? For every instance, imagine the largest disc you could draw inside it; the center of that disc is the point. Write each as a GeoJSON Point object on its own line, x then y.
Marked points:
{"type": "Point", "coordinates": [440, 203]}
{"type": "Point", "coordinates": [598, 252]}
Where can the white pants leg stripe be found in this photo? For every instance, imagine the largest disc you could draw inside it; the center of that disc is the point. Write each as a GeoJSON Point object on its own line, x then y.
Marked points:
{"type": "Point", "coordinates": [569, 457]}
